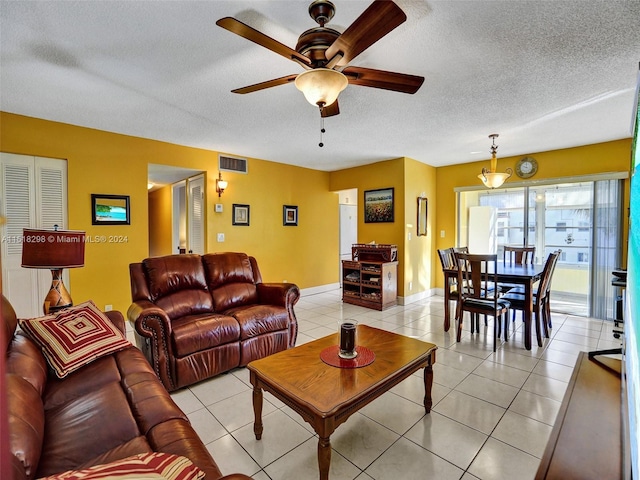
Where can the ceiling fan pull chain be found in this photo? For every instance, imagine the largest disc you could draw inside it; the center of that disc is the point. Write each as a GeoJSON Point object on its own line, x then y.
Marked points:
{"type": "Point", "coordinates": [322, 130]}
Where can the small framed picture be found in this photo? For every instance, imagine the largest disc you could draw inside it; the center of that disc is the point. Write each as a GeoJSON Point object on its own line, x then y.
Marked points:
{"type": "Point", "coordinates": [240, 214]}
{"type": "Point", "coordinates": [110, 209]}
{"type": "Point", "coordinates": [378, 205]}
{"type": "Point", "coordinates": [290, 215]}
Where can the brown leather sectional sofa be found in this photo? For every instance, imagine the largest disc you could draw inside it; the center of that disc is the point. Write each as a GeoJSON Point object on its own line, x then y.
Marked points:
{"type": "Point", "coordinates": [196, 316]}
{"type": "Point", "coordinates": [108, 410]}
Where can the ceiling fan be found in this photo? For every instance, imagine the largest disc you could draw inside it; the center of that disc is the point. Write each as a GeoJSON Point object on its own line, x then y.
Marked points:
{"type": "Point", "coordinates": [325, 53]}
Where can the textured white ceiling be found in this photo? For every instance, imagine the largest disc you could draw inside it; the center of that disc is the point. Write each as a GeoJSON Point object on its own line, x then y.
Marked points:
{"type": "Point", "coordinates": [542, 74]}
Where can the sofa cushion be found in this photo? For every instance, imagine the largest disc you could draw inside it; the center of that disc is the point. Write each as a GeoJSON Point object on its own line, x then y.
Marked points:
{"type": "Point", "coordinates": [177, 284]}
{"type": "Point", "coordinates": [154, 465]}
{"type": "Point", "coordinates": [78, 406]}
{"type": "Point", "coordinates": [234, 295]}
{"type": "Point", "coordinates": [230, 279]}
{"type": "Point", "coordinates": [195, 333]}
{"type": "Point", "coordinates": [26, 423]}
{"type": "Point", "coordinates": [172, 273]}
{"type": "Point", "coordinates": [228, 267]}
{"type": "Point", "coordinates": [74, 337]}
{"type": "Point", "coordinates": [257, 320]}
{"type": "Point", "coordinates": [25, 358]}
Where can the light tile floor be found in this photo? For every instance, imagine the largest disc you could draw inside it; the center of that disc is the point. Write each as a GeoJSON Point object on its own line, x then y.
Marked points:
{"type": "Point", "coordinates": [492, 412]}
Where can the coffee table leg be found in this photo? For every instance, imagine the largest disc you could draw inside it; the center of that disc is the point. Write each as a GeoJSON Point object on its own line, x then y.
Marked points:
{"type": "Point", "coordinates": [428, 383]}
{"type": "Point", "coordinates": [324, 457]}
{"type": "Point", "coordinates": [257, 412]}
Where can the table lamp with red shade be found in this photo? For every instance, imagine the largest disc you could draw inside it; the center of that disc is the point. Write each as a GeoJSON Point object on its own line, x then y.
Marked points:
{"type": "Point", "coordinates": [54, 250]}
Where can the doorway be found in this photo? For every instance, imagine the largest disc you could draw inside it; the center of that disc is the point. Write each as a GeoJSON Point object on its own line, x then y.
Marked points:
{"type": "Point", "coordinates": [348, 204]}
{"type": "Point", "coordinates": [187, 218]}
{"type": "Point", "coordinates": [177, 209]}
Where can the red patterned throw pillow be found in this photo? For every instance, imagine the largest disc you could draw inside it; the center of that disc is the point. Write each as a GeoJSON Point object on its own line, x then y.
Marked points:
{"type": "Point", "coordinates": [144, 466]}
{"type": "Point", "coordinates": [74, 337]}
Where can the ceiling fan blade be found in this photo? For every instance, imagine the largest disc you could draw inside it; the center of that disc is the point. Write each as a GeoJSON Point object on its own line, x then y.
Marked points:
{"type": "Point", "coordinates": [268, 84]}
{"type": "Point", "coordinates": [250, 33]}
{"type": "Point", "coordinates": [380, 18]}
{"type": "Point", "coordinates": [369, 77]}
{"type": "Point", "coordinates": [330, 110]}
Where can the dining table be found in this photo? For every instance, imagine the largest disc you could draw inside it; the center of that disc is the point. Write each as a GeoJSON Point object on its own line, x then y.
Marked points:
{"type": "Point", "coordinates": [516, 274]}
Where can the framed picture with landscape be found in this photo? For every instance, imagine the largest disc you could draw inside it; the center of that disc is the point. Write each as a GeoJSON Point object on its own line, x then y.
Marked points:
{"type": "Point", "coordinates": [378, 205]}
{"type": "Point", "coordinates": [110, 209]}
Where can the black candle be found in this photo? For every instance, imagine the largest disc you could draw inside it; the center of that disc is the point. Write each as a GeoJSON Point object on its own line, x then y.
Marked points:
{"type": "Point", "coordinates": [347, 337]}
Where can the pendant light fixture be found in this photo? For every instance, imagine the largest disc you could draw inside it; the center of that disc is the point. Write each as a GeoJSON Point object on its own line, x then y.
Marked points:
{"type": "Point", "coordinates": [491, 178]}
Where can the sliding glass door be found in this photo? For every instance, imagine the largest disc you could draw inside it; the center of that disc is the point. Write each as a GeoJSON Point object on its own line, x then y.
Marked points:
{"type": "Point", "coordinates": [583, 219]}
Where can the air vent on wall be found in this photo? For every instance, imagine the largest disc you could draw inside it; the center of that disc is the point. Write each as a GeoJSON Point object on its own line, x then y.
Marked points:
{"type": "Point", "coordinates": [232, 164]}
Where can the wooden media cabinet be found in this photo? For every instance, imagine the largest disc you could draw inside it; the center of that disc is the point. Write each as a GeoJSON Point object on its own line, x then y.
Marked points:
{"type": "Point", "coordinates": [370, 279]}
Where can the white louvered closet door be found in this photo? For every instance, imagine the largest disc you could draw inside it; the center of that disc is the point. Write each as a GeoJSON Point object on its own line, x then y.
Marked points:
{"type": "Point", "coordinates": [33, 195]}
{"type": "Point", "coordinates": [195, 202]}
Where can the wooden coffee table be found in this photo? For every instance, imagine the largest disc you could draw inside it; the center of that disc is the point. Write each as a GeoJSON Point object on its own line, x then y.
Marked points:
{"type": "Point", "coordinates": [326, 396]}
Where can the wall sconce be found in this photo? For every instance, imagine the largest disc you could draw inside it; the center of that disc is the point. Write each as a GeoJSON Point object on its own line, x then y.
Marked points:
{"type": "Point", "coordinates": [491, 178]}
{"type": "Point", "coordinates": [220, 184]}
{"type": "Point", "coordinates": [54, 250]}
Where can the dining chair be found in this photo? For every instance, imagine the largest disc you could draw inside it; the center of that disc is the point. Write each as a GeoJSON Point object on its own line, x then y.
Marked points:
{"type": "Point", "coordinates": [518, 255]}
{"type": "Point", "coordinates": [448, 262]}
{"type": "Point", "coordinates": [541, 303]}
{"type": "Point", "coordinates": [477, 280]}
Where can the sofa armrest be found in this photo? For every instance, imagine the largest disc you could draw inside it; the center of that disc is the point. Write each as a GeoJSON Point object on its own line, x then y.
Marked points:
{"type": "Point", "coordinates": [285, 295]}
{"type": "Point", "coordinates": [151, 322]}
{"type": "Point", "coordinates": [282, 294]}
{"type": "Point", "coordinates": [235, 476]}
{"type": "Point", "coordinates": [117, 319]}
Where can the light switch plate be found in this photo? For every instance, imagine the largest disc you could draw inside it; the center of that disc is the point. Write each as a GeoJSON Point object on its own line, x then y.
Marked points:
{"type": "Point", "coordinates": [218, 208]}
{"type": "Point", "coordinates": [221, 237]}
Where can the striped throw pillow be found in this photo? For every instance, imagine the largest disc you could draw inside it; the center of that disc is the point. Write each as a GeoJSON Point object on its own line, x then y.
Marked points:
{"type": "Point", "coordinates": [74, 337]}
{"type": "Point", "coordinates": [145, 466]}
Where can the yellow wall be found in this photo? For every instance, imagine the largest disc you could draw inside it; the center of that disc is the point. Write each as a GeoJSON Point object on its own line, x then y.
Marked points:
{"type": "Point", "coordinates": [107, 163]}
{"type": "Point", "coordinates": [585, 160]}
{"type": "Point", "coordinates": [419, 269]}
{"type": "Point", "coordinates": [409, 179]}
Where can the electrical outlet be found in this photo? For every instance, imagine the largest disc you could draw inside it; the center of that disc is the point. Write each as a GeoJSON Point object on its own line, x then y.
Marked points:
{"type": "Point", "coordinates": [221, 237]}
{"type": "Point", "coordinates": [410, 286]}
{"type": "Point", "coordinates": [108, 308]}
{"type": "Point", "coordinates": [409, 236]}
{"type": "Point", "coordinates": [441, 233]}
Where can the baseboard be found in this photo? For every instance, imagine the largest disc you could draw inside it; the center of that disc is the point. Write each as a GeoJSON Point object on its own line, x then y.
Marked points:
{"type": "Point", "coordinates": [417, 296]}
{"type": "Point", "coordinates": [330, 287]}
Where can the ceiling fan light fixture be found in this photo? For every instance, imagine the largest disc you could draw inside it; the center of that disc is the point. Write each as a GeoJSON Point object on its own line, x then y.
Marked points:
{"type": "Point", "coordinates": [321, 86]}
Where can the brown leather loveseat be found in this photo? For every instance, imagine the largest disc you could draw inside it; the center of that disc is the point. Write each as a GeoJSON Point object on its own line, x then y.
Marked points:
{"type": "Point", "coordinates": [196, 316]}
{"type": "Point", "coordinates": [108, 410]}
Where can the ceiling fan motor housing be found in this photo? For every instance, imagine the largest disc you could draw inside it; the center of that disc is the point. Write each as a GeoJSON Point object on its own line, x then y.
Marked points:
{"type": "Point", "coordinates": [314, 42]}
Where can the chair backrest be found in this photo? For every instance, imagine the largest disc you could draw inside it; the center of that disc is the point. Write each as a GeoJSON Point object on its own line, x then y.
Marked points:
{"type": "Point", "coordinates": [478, 275]}
{"type": "Point", "coordinates": [446, 258]}
{"type": "Point", "coordinates": [518, 255]}
{"type": "Point", "coordinates": [547, 274]}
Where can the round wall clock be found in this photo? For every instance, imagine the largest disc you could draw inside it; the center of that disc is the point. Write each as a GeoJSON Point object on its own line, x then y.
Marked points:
{"type": "Point", "coordinates": [526, 167]}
